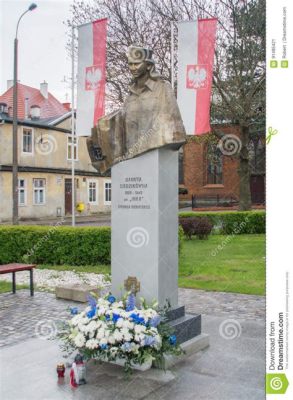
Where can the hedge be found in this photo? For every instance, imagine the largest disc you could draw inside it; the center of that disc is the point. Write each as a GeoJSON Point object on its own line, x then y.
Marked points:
{"type": "Point", "coordinates": [234, 222]}
{"type": "Point", "coordinates": [55, 245]}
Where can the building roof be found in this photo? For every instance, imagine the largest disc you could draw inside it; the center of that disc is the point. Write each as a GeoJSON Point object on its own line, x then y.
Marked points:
{"type": "Point", "coordinates": [50, 108]}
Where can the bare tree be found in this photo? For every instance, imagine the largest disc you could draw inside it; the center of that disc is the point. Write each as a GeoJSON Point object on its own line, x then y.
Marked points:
{"type": "Point", "coordinates": [239, 70]}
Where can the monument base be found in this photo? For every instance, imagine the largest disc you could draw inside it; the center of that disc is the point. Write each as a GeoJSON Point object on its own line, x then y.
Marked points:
{"type": "Point", "coordinates": [186, 326]}
{"type": "Point", "coordinates": [190, 347]}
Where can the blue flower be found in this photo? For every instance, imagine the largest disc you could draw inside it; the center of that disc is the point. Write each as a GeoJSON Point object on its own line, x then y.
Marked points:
{"type": "Point", "coordinates": [108, 317]}
{"type": "Point", "coordinates": [111, 299]}
{"type": "Point", "coordinates": [137, 319]}
{"type": "Point", "coordinates": [115, 317]}
{"type": "Point", "coordinates": [149, 340]}
{"type": "Point", "coordinates": [104, 346]}
{"type": "Point", "coordinates": [73, 310]}
{"type": "Point", "coordinates": [172, 340]}
{"type": "Point", "coordinates": [130, 302]}
{"type": "Point", "coordinates": [154, 322]}
{"type": "Point", "coordinates": [92, 301]}
{"type": "Point", "coordinates": [126, 346]}
{"type": "Point", "coordinates": [91, 313]}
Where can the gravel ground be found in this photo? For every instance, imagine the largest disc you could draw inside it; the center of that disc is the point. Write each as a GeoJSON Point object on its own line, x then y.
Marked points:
{"type": "Point", "coordinates": [48, 279]}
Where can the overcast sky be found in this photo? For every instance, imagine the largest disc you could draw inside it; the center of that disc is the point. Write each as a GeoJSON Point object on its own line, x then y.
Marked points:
{"type": "Point", "coordinates": [42, 40]}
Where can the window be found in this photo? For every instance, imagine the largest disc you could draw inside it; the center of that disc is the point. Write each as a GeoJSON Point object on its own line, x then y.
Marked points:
{"type": "Point", "coordinates": [21, 192]}
{"type": "Point", "coordinates": [69, 148]}
{"type": "Point", "coordinates": [92, 192]}
{"type": "Point", "coordinates": [107, 192]}
{"type": "Point", "coordinates": [214, 165]}
{"type": "Point", "coordinates": [39, 191]}
{"type": "Point", "coordinates": [27, 141]}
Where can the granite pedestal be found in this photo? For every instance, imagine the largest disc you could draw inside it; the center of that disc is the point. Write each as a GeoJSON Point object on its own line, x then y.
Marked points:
{"type": "Point", "coordinates": [145, 233]}
{"type": "Point", "coordinates": [145, 225]}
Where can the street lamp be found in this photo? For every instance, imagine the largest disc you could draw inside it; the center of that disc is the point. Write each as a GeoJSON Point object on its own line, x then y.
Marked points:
{"type": "Point", "coordinates": [14, 144]}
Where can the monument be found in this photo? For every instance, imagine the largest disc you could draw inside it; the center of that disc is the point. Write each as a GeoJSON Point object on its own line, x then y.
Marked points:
{"type": "Point", "coordinates": [140, 144]}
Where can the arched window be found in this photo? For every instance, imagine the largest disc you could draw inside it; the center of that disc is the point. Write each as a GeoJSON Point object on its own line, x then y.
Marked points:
{"type": "Point", "coordinates": [214, 165]}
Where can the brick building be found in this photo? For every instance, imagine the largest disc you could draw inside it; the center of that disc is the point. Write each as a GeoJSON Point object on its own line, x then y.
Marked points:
{"type": "Point", "coordinates": [211, 178]}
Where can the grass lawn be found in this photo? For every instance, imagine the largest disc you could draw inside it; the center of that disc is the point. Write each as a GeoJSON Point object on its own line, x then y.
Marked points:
{"type": "Point", "coordinates": [7, 287]}
{"type": "Point", "coordinates": [238, 265]}
{"type": "Point", "coordinates": [221, 263]}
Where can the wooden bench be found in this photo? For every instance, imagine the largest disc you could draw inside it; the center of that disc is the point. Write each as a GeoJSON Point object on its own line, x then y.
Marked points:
{"type": "Point", "coordinates": [16, 267]}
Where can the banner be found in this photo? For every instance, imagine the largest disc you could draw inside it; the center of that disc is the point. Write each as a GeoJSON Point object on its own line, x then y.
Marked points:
{"type": "Point", "coordinates": [196, 48]}
{"type": "Point", "coordinates": [91, 77]}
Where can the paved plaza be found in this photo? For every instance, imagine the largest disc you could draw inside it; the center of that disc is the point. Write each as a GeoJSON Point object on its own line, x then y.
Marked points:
{"type": "Point", "coordinates": [232, 368]}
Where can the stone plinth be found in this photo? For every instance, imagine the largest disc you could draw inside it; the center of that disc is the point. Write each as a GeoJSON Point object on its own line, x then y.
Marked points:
{"type": "Point", "coordinates": [145, 225]}
{"type": "Point", "coordinates": [75, 292]}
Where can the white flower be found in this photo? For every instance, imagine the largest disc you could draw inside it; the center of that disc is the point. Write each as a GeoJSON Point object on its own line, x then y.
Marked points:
{"type": "Point", "coordinates": [101, 310]}
{"type": "Point", "coordinates": [92, 326]}
{"type": "Point", "coordinates": [116, 305]}
{"type": "Point", "coordinates": [139, 338]}
{"type": "Point", "coordinates": [92, 344]}
{"type": "Point", "coordinates": [128, 337]}
{"type": "Point", "coordinates": [103, 341]}
{"type": "Point", "coordinates": [114, 350]}
{"type": "Point", "coordinates": [127, 324]}
{"type": "Point", "coordinates": [139, 329]}
{"type": "Point", "coordinates": [118, 335]}
{"type": "Point", "coordinates": [82, 328]}
{"type": "Point", "coordinates": [134, 348]}
{"type": "Point", "coordinates": [79, 340]}
{"type": "Point", "coordinates": [100, 333]}
{"type": "Point", "coordinates": [107, 333]}
{"type": "Point", "coordinates": [119, 323]}
{"type": "Point", "coordinates": [76, 319]}
{"type": "Point", "coordinates": [111, 339]}
{"type": "Point", "coordinates": [124, 331]}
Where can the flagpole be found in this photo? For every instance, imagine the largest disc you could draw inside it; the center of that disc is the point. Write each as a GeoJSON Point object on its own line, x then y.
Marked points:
{"type": "Point", "coordinates": [72, 131]}
{"type": "Point", "coordinates": [172, 54]}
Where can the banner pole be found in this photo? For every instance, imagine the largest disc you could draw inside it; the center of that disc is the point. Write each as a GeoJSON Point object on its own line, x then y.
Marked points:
{"type": "Point", "coordinates": [172, 54]}
{"type": "Point", "coordinates": [72, 132]}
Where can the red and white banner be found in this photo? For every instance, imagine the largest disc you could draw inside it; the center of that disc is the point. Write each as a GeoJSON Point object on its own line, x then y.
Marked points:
{"type": "Point", "coordinates": [91, 76]}
{"type": "Point", "coordinates": [196, 48]}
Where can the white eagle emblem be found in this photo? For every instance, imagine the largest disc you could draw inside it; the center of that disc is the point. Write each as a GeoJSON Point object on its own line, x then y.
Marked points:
{"type": "Point", "coordinates": [93, 76]}
{"type": "Point", "coordinates": [196, 77]}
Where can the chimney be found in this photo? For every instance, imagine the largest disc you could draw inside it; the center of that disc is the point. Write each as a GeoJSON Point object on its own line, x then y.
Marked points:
{"type": "Point", "coordinates": [35, 112]}
{"type": "Point", "coordinates": [10, 83]}
{"type": "Point", "coordinates": [26, 108]}
{"type": "Point", "coordinates": [67, 106]}
{"type": "Point", "coordinates": [44, 89]}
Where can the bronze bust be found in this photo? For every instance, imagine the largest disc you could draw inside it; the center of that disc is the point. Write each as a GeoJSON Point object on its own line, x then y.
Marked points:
{"type": "Point", "coordinates": [149, 118]}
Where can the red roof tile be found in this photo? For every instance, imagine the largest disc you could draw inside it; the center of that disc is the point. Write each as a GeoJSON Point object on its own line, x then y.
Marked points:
{"type": "Point", "coordinates": [50, 107]}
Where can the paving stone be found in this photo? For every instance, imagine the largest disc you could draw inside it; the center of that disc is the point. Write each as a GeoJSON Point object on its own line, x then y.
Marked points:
{"type": "Point", "coordinates": [229, 369]}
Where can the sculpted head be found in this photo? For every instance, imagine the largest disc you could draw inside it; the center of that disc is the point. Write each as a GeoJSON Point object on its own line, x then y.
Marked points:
{"type": "Point", "coordinates": [140, 62]}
